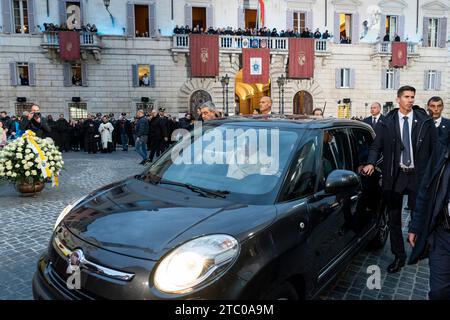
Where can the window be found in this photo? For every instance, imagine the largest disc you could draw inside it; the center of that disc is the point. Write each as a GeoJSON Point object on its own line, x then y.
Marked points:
{"type": "Point", "coordinates": [432, 80]}
{"type": "Point", "coordinates": [344, 78]}
{"type": "Point", "coordinates": [336, 152]}
{"type": "Point", "coordinates": [360, 144]}
{"type": "Point", "coordinates": [76, 75]}
{"type": "Point", "coordinates": [199, 18]}
{"type": "Point", "coordinates": [433, 33]}
{"type": "Point", "coordinates": [141, 18]}
{"type": "Point", "coordinates": [345, 28]}
{"type": "Point", "coordinates": [21, 107]}
{"type": "Point", "coordinates": [299, 22]}
{"type": "Point", "coordinates": [302, 178]}
{"type": "Point", "coordinates": [146, 106]}
{"type": "Point", "coordinates": [391, 27]}
{"type": "Point", "coordinates": [144, 75]}
{"type": "Point", "coordinates": [22, 71]}
{"type": "Point", "coordinates": [77, 110]}
{"type": "Point", "coordinates": [21, 16]}
{"type": "Point", "coordinates": [389, 79]}
{"type": "Point", "coordinates": [250, 18]}
{"type": "Point", "coordinates": [73, 15]}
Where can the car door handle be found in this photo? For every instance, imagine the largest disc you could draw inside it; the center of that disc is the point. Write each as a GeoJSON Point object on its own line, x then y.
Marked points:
{"type": "Point", "coordinates": [356, 196]}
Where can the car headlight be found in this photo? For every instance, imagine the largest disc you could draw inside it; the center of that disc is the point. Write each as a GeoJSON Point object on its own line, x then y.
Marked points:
{"type": "Point", "coordinates": [65, 211]}
{"type": "Point", "coordinates": [195, 262]}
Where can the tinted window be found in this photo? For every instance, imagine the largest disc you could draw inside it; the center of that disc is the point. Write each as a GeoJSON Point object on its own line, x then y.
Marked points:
{"type": "Point", "coordinates": [336, 152]}
{"type": "Point", "coordinates": [361, 142]}
{"type": "Point", "coordinates": [302, 177]}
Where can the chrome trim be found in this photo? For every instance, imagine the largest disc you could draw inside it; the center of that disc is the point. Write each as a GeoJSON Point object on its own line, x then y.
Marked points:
{"type": "Point", "coordinates": [90, 266]}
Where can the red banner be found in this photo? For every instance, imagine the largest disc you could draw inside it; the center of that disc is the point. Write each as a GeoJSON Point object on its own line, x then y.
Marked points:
{"type": "Point", "coordinates": [301, 58]}
{"type": "Point", "coordinates": [204, 53]}
{"type": "Point", "coordinates": [399, 54]}
{"type": "Point", "coordinates": [256, 65]}
{"type": "Point", "coordinates": [69, 45]}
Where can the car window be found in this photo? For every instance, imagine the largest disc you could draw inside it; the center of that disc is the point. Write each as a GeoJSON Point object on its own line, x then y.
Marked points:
{"type": "Point", "coordinates": [301, 179]}
{"type": "Point", "coordinates": [336, 152]}
{"type": "Point", "coordinates": [217, 160]}
{"type": "Point", "coordinates": [361, 141]}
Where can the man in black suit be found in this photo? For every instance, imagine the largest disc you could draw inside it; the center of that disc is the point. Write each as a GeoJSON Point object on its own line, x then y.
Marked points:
{"type": "Point", "coordinates": [435, 107]}
{"type": "Point", "coordinates": [406, 137]}
{"type": "Point", "coordinates": [429, 233]}
{"type": "Point", "coordinates": [375, 111]}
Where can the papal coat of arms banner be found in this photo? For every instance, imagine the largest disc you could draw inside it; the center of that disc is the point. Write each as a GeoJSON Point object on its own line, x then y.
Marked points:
{"type": "Point", "coordinates": [69, 45]}
{"type": "Point", "coordinates": [301, 58]}
{"type": "Point", "coordinates": [204, 55]}
{"type": "Point", "coordinates": [399, 54]}
{"type": "Point", "coordinates": [256, 64]}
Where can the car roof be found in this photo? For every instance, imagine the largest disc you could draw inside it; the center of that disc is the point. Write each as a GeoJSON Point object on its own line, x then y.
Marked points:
{"type": "Point", "coordinates": [292, 121]}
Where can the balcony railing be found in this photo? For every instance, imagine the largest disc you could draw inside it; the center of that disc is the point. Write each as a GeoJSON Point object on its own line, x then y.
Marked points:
{"type": "Point", "coordinates": [181, 41]}
{"type": "Point", "coordinates": [87, 39]}
{"type": "Point", "coordinates": [385, 47]}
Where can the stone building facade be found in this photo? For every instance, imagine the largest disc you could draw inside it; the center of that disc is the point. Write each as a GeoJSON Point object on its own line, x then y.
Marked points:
{"type": "Point", "coordinates": [108, 77]}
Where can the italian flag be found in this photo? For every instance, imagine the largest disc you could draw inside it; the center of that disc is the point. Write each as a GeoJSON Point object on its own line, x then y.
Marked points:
{"type": "Point", "coordinates": [261, 13]}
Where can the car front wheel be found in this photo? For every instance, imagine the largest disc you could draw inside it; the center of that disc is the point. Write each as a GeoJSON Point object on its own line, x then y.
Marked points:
{"type": "Point", "coordinates": [382, 234]}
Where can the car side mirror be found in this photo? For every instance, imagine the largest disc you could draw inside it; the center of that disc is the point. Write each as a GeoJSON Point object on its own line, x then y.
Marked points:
{"type": "Point", "coordinates": [342, 182]}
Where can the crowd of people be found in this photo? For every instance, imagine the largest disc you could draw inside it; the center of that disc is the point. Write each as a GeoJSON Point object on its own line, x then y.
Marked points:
{"type": "Point", "coordinates": [63, 27]}
{"type": "Point", "coordinates": [261, 32]}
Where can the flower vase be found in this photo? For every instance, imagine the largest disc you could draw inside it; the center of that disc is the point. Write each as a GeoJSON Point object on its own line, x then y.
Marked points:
{"type": "Point", "coordinates": [29, 189]}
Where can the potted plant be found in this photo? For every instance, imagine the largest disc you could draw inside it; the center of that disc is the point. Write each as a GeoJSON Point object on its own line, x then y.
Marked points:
{"type": "Point", "coordinates": [28, 161]}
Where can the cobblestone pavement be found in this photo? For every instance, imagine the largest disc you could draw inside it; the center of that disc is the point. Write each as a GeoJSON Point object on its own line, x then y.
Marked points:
{"type": "Point", "coordinates": [26, 225]}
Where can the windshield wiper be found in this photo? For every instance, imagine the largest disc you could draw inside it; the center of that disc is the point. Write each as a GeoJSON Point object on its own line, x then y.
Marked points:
{"type": "Point", "coordinates": [202, 191]}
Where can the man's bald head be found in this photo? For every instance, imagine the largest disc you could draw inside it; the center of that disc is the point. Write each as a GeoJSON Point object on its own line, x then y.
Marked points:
{"type": "Point", "coordinates": [375, 109]}
{"type": "Point", "coordinates": [265, 105]}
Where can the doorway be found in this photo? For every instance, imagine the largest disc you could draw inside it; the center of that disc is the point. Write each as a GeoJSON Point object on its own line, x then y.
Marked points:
{"type": "Point", "coordinates": [303, 103]}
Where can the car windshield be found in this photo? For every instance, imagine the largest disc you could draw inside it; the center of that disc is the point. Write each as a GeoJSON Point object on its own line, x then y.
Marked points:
{"type": "Point", "coordinates": [238, 162]}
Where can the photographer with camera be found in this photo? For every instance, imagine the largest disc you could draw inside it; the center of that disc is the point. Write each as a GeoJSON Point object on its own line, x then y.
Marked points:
{"type": "Point", "coordinates": [35, 123]}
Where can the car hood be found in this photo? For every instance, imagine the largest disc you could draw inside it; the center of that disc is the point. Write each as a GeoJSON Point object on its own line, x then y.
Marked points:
{"type": "Point", "coordinates": [142, 220]}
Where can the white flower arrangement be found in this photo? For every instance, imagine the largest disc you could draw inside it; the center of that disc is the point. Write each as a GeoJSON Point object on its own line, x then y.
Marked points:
{"type": "Point", "coordinates": [18, 161]}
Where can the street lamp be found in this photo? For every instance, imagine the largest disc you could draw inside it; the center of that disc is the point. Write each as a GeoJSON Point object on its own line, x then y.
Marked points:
{"type": "Point", "coordinates": [281, 81]}
{"type": "Point", "coordinates": [225, 80]}
{"type": "Point", "coordinates": [107, 3]}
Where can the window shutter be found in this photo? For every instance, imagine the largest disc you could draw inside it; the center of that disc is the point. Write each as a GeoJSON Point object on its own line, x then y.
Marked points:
{"type": "Point", "coordinates": [67, 70]}
{"type": "Point", "coordinates": [337, 33]}
{"type": "Point", "coordinates": [209, 17]}
{"type": "Point", "coordinates": [152, 76]}
{"type": "Point", "coordinates": [442, 32]}
{"type": "Point", "coordinates": [426, 26]}
{"type": "Point", "coordinates": [289, 19]}
{"type": "Point", "coordinates": [355, 28]}
{"type": "Point", "coordinates": [338, 78]}
{"type": "Point", "coordinates": [32, 74]}
{"type": "Point", "coordinates": [135, 75]}
{"type": "Point", "coordinates": [396, 79]}
{"type": "Point", "coordinates": [383, 79]}
{"type": "Point", "coordinates": [425, 80]}
{"type": "Point", "coordinates": [241, 18]}
{"type": "Point", "coordinates": [352, 79]}
{"type": "Point", "coordinates": [31, 21]}
{"type": "Point", "coordinates": [401, 27]}
{"type": "Point", "coordinates": [438, 80]}
{"type": "Point", "coordinates": [382, 26]}
{"type": "Point", "coordinates": [6, 16]}
{"type": "Point", "coordinates": [152, 19]}
{"type": "Point", "coordinates": [188, 16]}
{"type": "Point", "coordinates": [131, 32]}
{"type": "Point", "coordinates": [84, 74]}
{"type": "Point", "coordinates": [62, 12]}
{"type": "Point", "coordinates": [309, 21]}
{"type": "Point", "coordinates": [13, 73]}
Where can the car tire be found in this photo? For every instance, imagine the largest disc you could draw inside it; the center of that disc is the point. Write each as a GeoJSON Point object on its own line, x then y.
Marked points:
{"type": "Point", "coordinates": [285, 291]}
{"type": "Point", "coordinates": [380, 238]}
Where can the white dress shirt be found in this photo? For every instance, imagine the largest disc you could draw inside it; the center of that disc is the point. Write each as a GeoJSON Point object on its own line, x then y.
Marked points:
{"type": "Point", "coordinates": [410, 116]}
{"type": "Point", "coordinates": [437, 122]}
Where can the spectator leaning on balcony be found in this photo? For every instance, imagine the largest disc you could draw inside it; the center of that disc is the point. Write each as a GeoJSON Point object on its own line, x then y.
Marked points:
{"type": "Point", "coordinates": [325, 35]}
{"type": "Point", "coordinates": [386, 38]}
{"type": "Point", "coordinates": [397, 38]}
{"type": "Point", "coordinates": [317, 34]}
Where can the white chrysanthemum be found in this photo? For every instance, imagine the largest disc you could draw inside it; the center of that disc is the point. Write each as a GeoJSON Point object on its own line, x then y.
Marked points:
{"type": "Point", "coordinates": [24, 161]}
{"type": "Point", "coordinates": [14, 175]}
{"type": "Point", "coordinates": [27, 173]}
{"type": "Point", "coordinates": [8, 173]}
{"type": "Point", "coordinates": [17, 165]}
{"type": "Point", "coordinates": [19, 156]}
{"type": "Point", "coordinates": [34, 172]}
{"type": "Point", "coordinates": [8, 167]}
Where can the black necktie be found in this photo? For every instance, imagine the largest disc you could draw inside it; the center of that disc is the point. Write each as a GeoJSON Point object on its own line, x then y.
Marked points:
{"type": "Point", "coordinates": [406, 144]}
{"type": "Point", "coordinates": [374, 121]}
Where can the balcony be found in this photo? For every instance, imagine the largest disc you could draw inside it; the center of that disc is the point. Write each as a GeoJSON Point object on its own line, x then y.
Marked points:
{"type": "Point", "coordinates": [89, 42]}
{"type": "Point", "coordinates": [385, 48]}
{"type": "Point", "coordinates": [236, 43]}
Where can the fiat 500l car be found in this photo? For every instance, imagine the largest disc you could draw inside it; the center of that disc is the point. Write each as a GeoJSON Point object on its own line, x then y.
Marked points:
{"type": "Point", "coordinates": [281, 228]}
